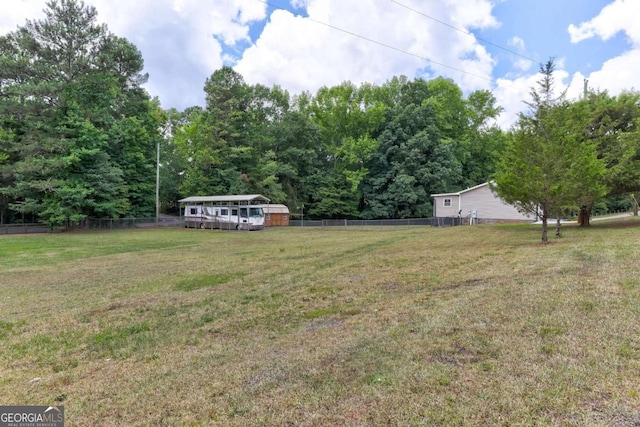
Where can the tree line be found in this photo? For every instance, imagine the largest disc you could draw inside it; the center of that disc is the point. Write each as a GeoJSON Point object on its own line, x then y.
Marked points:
{"type": "Point", "coordinates": [348, 151]}
{"type": "Point", "coordinates": [78, 138]}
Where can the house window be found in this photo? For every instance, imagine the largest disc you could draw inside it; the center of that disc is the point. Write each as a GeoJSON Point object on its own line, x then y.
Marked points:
{"type": "Point", "coordinates": [447, 203]}
{"type": "Point", "coordinates": [224, 212]}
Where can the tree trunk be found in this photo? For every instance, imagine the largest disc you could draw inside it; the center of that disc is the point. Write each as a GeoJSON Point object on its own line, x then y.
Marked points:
{"type": "Point", "coordinates": [558, 227]}
{"type": "Point", "coordinates": [584, 215]}
{"type": "Point", "coordinates": [545, 240]}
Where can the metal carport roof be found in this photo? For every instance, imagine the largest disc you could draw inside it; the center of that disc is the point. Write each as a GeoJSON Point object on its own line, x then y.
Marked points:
{"type": "Point", "coordinates": [224, 199]}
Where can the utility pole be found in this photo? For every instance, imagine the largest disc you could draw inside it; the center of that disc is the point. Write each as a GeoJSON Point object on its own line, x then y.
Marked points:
{"type": "Point", "coordinates": [157, 183]}
{"type": "Point", "coordinates": [586, 89]}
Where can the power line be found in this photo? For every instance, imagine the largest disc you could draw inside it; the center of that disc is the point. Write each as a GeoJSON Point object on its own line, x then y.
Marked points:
{"type": "Point", "coordinates": [464, 31]}
{"type": "Point", "coordinates": [383, 44]}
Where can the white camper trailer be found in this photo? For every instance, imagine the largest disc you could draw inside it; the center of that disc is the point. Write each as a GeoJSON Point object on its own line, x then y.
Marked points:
{"type": "Point", "coordinates": [224, 212]}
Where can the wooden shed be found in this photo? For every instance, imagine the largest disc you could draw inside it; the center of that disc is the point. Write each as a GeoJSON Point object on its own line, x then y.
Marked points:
{"type": "Point", "coordinates": [276, 215]}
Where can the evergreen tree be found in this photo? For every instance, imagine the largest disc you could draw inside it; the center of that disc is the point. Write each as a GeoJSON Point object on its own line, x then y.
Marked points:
{"type": "Point", "coordinates": [547, 166]}
{"type": "Point", "coordinates": [82, 135]}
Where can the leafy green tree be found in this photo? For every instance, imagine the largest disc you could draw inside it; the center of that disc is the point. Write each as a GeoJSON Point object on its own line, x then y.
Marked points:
{"type": "Point", "coordinates": [6, 142]}
{"type": "Point", "coordinates": [484, 142]}
{"type": "Point", "coordinates": [349, 119]}
{"type": "Point", "coordinates": [449, 109]}
{"type": "Point", "coordinates": [614, 127]}
{"type": "Point", "coordinates": [206, 169]}
{"type": "Point", "coordinates": [413, 159]}
{"type": "Point", "coordinates": [172, 164]}
{"type": "Point", "coordinates": [268, 108]}
{"type": "Point", "coordinates": [301, 156]}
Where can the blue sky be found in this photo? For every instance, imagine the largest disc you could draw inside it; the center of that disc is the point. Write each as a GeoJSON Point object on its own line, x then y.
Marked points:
{"type": "Point", "coordinates": [544, 30]}
{"type": "Point", "coordinates": [184, 41]}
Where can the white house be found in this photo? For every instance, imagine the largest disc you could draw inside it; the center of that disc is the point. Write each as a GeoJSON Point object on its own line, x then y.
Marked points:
{"type": "Point", "coordinates": [477, 204]}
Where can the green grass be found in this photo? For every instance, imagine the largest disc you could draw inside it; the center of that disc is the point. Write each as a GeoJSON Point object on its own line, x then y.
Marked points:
{"type": "Point", "coordinates": [317, 326]}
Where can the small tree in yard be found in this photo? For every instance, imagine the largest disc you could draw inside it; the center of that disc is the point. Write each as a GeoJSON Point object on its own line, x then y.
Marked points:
{"type": "Point", "coordinates": [547, 165]}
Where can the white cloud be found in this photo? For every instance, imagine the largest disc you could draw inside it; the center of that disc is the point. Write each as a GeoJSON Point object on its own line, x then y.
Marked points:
{"type": "Point", "coordinates": [470, 13]}
{"type": "Point", "coordinates": [519, 63]}
{"type": "Point", "coordinates": [302, 54]}
{"type": "Point", "coordinates": [182, 41]}
{"type": "Point", "coordinates": [619, 73]}
{"type": "Point", "coordinates": [620, 15]}
{"type": "Point", "coordinates": [518, 43]}
{"type": "Point", "coordinates": [17, 14]}
{"type": "Point", "coordinates": [523, 65]}
{"type": "Point", "coordinates": [513, 94]}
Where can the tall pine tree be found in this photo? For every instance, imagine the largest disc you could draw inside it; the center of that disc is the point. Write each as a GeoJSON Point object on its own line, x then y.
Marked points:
{"type": "Point", "coordinates": [77, 128]}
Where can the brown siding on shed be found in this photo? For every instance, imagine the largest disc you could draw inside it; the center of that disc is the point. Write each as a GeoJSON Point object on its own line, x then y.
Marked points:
{"type": "Point", "coordinates": [276, 220]}
{"type": "Point", "coordinates": [276, 215]}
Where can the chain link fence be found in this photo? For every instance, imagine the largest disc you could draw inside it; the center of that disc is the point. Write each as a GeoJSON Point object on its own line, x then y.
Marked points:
{"type": "Point", "coordinates": [117, 223]}
{"type": "Point", "coordinates": [27, 228]}
{"type": "Point", "coordinates": [166, 221]}
{"type": "Point", "coordinates": [433, 222]}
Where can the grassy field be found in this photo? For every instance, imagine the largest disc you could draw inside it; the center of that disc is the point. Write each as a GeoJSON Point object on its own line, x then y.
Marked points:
{"type": "Point", "coordinates": [357, 327]}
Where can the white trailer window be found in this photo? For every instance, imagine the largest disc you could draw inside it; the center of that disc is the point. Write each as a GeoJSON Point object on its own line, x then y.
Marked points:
{"type": "Point", "coordinates": [447, 203]}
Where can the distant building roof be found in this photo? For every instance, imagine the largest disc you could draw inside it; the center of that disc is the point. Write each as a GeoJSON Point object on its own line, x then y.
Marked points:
{"type": "Point", "coordinates": [224, 199]}
{"type": "Point", "coordinates": [275, 208]}
{"type": "Point", "coordinates": [461, 192]}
